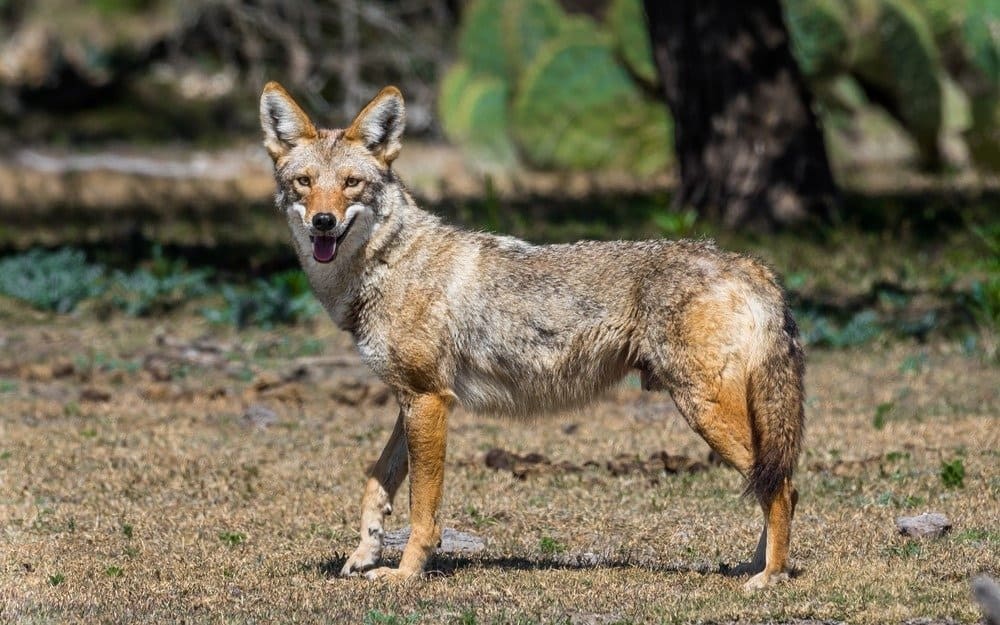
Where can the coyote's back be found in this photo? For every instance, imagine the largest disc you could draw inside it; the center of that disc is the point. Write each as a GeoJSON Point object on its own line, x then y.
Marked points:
{"type": "Point", "coordinates": [503, 326]}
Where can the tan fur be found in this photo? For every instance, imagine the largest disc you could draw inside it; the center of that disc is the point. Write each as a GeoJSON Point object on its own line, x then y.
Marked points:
{"type": "Point", "coordinates": [505, 327]}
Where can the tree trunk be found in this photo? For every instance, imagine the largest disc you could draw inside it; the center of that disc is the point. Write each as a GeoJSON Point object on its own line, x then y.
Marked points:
{"type": "Point", "coordinates": [748, 145]}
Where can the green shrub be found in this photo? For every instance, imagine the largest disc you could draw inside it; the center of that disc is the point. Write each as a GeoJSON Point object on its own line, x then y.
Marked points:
{"type": "Point", "coordinates": [56, 281]}
{"type": "Point", "coordinates": [284, 298]}
{"type": "Point", "coordinates": [165, 285]}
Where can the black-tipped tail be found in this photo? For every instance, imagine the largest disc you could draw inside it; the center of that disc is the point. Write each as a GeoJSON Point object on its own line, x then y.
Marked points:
{"type": "Point", "coordinates": [778, 420]}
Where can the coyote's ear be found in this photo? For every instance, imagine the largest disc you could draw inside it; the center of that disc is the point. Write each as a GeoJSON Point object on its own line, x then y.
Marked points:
{"type": "Point", "coordinates": [285, 124]}
{"type": "Point", "coordinates": [379, 125]}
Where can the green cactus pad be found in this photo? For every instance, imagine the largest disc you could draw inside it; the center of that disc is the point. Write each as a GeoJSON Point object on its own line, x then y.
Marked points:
{"type": "Point", "coordinates": [982, 38]}
{"type": "Point", "coordinates": [480, 120]}
{"type": "Point", "coordinates": [567, 118]}
{"type": "Point", "coordinates": [526, 26]}
{"type": "Point", "coordinates": [819, 34]}
{"type": "Point", "coordinates": [915, 69]}
{"type": "Point", "coordinates": [479, 37]}
{"type": "Point", "coordinates": [627, 20]}
{"type": "Point", "coordinates": [981, 31]}
{"type": "Point", "coordinates": [452, 87]}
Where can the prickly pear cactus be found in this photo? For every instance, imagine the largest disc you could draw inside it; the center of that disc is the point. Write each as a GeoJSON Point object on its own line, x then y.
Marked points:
{"type": "Point", "coordinates": [473, 113]}
{"type": "Point", "coordinates": [899, 56]}
{"type": "Point", "coordinates": [479, 39]}
{"type": "Point", "coordinates": [627, 20]}
{"type": "Point", "coordinates": [482, 114]}
{"type": "Point", "coordinates": [526, 26]}
{"type": "Point", "coordinates": [915, 67]}
{"type": "Point", "coordinates": [567, 118]}
{"type": "Point", "coordinates": [453, 85]}
{"type": "Point", "coordinates": [819, 34]}
{"type": "Point", "coordinates": [982, 39]}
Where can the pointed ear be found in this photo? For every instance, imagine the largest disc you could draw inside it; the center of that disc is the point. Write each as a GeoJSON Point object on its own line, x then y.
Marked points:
{"type": "Point", "coordinates": [379, 126]}
{"type": "Point", "coordinates": [284, 122]}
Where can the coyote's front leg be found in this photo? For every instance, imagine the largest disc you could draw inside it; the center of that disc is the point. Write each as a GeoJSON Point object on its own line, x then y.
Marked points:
{"type": "Point", "coordinates": [425, 421]}
{"type": "Point", "coordinates": [384, 479]}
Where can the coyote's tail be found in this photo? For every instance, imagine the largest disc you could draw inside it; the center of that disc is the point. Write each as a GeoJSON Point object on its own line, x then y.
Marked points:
{"type": "Point", "coordinates": [777, 417]}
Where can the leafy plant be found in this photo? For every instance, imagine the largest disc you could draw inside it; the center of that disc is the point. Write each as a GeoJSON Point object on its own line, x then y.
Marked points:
{"type": "Point", "coordinates": [56, 281]}
{"type": "Point", "coordinates": [550, 546]}
{"type": "Point", "coordinates": [284, 298]}
{"type": "Point", "coordinates": [232, 539]}
{"type": "Point", "coordinates": [676, 224]}
{"type": "Point", "coordinates": [56, 579]}
{"type": "Point", "coordinates": [953, 473]}
{"type": "Point", "coordinates": [375, 617]}
{"type": "Point", "coordinates": [881, 412]}
{"type": "Point", "coordinates": [164, 285]}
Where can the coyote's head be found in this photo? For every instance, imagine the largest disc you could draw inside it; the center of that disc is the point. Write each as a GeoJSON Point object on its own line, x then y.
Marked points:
{"type": "Point", "coordinates": [330, 181]}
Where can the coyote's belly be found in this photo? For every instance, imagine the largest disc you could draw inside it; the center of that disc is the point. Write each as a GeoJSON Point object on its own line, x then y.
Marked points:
{"type": "Point", "coordinates": [525, 366]}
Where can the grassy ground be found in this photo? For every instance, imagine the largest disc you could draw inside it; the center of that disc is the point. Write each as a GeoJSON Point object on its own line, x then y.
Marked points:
{"type": "Point", "coordinates": [136, 486]}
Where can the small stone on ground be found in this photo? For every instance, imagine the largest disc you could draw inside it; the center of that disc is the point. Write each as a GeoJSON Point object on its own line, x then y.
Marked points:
{"type": "Point", "coordinates": [452, 541]}
{"type": "Point", "coordinates": [928, 524]}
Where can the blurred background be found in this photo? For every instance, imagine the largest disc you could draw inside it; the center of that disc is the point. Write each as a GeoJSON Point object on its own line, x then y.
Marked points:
{"type": "Point", "coordinates": [854, 144]}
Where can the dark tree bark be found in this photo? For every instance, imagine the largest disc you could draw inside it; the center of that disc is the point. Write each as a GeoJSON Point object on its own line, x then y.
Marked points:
{"type": "Point", "coordinates": [748, 146]}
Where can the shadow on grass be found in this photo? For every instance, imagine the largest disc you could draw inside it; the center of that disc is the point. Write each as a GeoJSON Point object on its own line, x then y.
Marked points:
{"type": "Point", "coordinates": [444, 565]}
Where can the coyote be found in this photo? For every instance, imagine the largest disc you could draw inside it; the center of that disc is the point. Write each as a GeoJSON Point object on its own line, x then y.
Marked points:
{"type": "Point", "coordinates": [502, 326]}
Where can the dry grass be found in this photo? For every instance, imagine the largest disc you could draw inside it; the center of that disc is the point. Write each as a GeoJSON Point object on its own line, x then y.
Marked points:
{"type": "Point", "coordinates": [132, 489]}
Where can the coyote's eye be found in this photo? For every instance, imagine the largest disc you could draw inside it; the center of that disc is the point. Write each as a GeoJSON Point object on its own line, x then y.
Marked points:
{"type": "Point", "coordinates": [305, 181]}
{"type": "Point", "coordinates": [352, 182]}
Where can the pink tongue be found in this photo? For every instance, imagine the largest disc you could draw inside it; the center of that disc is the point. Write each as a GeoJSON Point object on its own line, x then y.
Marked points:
{"type": "Point", "coordinates": [324, 249]}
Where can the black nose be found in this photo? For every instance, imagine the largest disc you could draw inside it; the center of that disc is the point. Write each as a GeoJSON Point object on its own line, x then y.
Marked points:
{"type": "Point", "coordinates": [324, 221]}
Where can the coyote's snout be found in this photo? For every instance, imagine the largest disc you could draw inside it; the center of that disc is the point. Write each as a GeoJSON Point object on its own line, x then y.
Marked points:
{"type": "Point", "coordinates": [505, 327]}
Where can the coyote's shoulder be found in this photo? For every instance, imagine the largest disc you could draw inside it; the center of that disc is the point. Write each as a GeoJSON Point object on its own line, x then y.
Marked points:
{"type": "Point", "coordinates": [500, 325]}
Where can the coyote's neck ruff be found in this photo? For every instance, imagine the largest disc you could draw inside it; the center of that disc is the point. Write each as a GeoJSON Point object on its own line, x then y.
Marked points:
{"type": "Point", "coordinates": [504, 326]}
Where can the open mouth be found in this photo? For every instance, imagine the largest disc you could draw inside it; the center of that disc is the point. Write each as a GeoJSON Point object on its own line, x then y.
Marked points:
{"type": "Point", "coordinates": [325, 245]}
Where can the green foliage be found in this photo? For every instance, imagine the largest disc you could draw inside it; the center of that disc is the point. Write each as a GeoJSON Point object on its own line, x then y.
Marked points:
{"type": "Point", "coordinates": [284, 298]}
{"type": "Point", "coordinates": [882, 411]}
{"type": "Point", "coordinates": [676, 224]}
{"type": "Point", "coordinates": [450, 92]}
{"type": "Point", "coordinates": [565, 118]}
{"type": "Point", "coordinates": [550, 546]}
{"type": "Point", "coordinates": [984, 302]}
{"type": "Point", "coordinates": [953, 473]}
{"type": "Point", "coordinates": [819, 34]}
{"type": "Point", "coordinates": [480, 119]}
{"type": "Point", "coordinates": [535, 82]}
{"type": "Point", "coordinates": [479, 37]}
{"type": "Point", "coordinates": [526, 26]}
{"type": "Point", "coordinates": [627, 21]}
{"type": "Point", "coordinates": [906, 62]}
{"type": "Point", "coordinates": [232, 539]}
{"type": "Point", "coordinates": [910, 549]}
{"type": "Point", "coordinates": [165, 285]}
{"type": "Point", "coordinates": [375, 617]}
{"type": "Point", "coordinates": [114, 571]}
{"type": "Point", "coordinates": [56, 579]}
{"type": "Point", "coordinates": [818, 329]}
{"type": "Point", "coordinates": [56, 281]}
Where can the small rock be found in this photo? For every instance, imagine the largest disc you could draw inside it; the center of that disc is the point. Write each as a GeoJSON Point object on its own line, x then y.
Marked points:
{"type": "Point", "coordinates": [928, 524]}
{"type": "Point", "coordinates": [260, 416]}
{"type": "Point", "coordinates": [987, 594]}
{"type": "Point", "coordinates": [452, 541]}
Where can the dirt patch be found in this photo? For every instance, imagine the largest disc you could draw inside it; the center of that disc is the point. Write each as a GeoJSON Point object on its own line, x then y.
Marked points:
{"type": "Point", "coordinates": [215, 476]}
{"type": "Point", "coordinates": [658, 464]}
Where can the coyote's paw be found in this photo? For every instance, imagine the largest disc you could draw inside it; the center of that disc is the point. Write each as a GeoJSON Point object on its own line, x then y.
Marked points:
{"type": "Point", "coordinates": [763, 580]}
{"type": "Point", "coordinates": [363, 559]}
{"type": "Point", "coordinates": [392, 575]}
